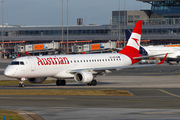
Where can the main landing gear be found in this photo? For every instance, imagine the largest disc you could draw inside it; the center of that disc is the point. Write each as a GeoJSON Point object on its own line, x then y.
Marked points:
{"type": "Point", "coordinates": [92, 83]}
{"type": "Point", "coordinates": [21, 84]}
{"type": "Point", "coordinates": [60, 82]}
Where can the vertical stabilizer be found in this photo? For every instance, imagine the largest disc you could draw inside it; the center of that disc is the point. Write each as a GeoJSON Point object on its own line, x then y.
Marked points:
{"type": "Point", "coordinates": [133, 44]}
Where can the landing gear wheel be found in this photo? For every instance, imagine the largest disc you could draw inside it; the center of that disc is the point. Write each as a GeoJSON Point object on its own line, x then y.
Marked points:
{"type": "Point", "coordinates": [60, 82]}
{"type": "Point", "coordinates": [63, 82]}
{"type": "Point", "coordinates": [21, 84]}
{"type": "Point", "coordinates": [89, 84]}
{"type": "Point", "coordinates": [93, 82]}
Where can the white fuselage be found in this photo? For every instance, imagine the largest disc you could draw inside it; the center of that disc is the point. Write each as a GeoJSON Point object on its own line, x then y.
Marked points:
{"type": "Point", "coordinates": [59, 66]}
{"type": "Point", "coordinates": [174, 52]}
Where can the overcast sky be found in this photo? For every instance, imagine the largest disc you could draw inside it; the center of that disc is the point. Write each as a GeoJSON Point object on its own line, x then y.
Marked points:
{"type": "Point", "coordinates": [49, 12]}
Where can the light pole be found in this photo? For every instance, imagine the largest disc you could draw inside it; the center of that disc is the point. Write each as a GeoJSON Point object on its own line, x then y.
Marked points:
{"type": "Point", "coordinates": [119, 22]}
{"type": "Point", "coordinates": [124, 23]}
{"type": "Point", "coordinates": [3, 29]}
{"type": "Point", "coordinates": [67, 28]}
{"type": "Point", "coordinates": [87, 20]}
{"type": "Point", "coordinates": [62, 24]}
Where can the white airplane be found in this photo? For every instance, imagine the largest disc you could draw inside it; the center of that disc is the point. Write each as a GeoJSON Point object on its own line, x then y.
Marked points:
{"type": "Point", "coordinates": [158, 51]}
{"type": "Point", "coordinates": [83, 67]}
{"type": "Point", "coordinates": [173, 52]}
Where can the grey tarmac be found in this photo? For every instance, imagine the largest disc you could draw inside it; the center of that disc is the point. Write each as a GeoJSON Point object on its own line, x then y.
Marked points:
{"type": "Point", "coordinates": [156, 93]}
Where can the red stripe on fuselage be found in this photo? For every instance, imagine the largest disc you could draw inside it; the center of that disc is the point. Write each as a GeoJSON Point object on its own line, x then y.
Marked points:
{"type": "Point", "coordinates": [131, 52]}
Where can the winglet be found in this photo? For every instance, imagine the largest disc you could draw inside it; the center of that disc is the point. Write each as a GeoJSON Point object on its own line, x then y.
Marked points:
{"type": "Point", "coordinates": [163, 59]}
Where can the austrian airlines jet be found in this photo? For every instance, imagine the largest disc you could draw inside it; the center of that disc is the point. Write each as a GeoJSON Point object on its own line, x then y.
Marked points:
{"type": "Point", "coordinates": [158, 51]}
{"type": "Point", "coordinates": [83, 68]}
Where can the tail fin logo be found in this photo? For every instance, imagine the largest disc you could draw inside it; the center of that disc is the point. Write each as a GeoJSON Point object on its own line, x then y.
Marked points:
{"type": "Point", "coordinates": [133, 44]}
{"type": "Point", "coordinates": [136, 40]}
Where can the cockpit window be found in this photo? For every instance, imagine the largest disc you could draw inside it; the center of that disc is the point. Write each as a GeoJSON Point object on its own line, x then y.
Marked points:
{"type": "Point", "coordinates": [16, 63]}
{"type": "Point", "coordinates": [21, 63]}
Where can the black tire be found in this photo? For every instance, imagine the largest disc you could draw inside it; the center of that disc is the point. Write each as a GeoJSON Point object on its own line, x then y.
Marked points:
{"type": "Point", "coordinates": [63, 82]}
{"type": "Point", "coordinates": [94, 82]}
{"type": "Point", "coordinates": [21, 85]}
{"type": "Point", "coordinates": [89, 84]}
{"type": "Point", "coordinates": [58, 82]}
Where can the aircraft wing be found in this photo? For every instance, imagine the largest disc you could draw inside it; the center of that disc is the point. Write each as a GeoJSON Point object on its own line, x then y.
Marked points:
{"type": "Point", "coordinates": [116, 67]}
{"type": "Point", "coordinates": [109, 68]}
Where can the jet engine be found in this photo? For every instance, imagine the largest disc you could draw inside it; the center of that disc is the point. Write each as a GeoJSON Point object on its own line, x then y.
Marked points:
{"type": "Point", "coordinates": [83, 77]}
{"type": "Point", "coordinates": [36, 80]}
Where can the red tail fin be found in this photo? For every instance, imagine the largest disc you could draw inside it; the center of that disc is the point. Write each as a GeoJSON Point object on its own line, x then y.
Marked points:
{"type": "Point", "coordinates": [133, 44]}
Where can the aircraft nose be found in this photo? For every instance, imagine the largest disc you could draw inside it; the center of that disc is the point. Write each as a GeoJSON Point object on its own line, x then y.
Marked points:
{"type": "Point", "coordinates": [8, 72]}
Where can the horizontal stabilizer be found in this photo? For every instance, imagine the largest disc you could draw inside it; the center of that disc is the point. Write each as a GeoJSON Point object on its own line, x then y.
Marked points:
{"type": "Point", "coordinates": [142, 57]}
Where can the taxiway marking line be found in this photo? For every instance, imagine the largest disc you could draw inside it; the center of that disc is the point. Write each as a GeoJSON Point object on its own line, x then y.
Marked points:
{"type": "Point", "coordinates": [130, 101]}
{"type": "Point", "coordinates": [169, 93]}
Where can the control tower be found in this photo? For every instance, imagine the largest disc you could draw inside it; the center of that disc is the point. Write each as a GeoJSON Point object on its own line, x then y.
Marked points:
{"type": "Point", "coordinates": [165, 8]}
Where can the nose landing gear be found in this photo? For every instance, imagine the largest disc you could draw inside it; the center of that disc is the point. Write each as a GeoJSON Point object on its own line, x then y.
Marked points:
{"type": "Point", "coordinates": [21, 84]}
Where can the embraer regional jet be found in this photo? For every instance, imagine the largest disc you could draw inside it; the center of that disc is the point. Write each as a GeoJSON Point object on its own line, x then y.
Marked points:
{"type": "Point", "coordinates": [158, 51]}
{"type": "Point", "coordinates": [82, 67]}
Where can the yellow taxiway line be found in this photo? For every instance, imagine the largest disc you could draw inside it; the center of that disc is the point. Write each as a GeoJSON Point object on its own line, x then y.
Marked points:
{"type": "Point", "coordinates": [169, 93]}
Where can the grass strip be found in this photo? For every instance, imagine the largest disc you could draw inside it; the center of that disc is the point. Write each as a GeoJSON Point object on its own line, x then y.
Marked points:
{"type": "Point", "coordinates": [80, 92]}
{"type": "Point", "coordinates": [10, 115]}
{"type": "Point", "coordinates": [16, 82]}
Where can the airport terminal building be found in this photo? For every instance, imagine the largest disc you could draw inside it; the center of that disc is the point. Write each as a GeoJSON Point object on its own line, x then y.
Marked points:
{"type": "Point", "coordinates": [161, 25]}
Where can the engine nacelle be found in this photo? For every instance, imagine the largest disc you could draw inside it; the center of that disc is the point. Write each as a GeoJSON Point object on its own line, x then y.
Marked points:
{"type": "Point", "coordinates": [36, 80]}
{"type": "Point", "coordinates": [83, 77]}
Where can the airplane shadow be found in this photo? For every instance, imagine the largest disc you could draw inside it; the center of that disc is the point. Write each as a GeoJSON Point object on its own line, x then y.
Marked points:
{"type": "Point", "coordinates": [51, 85]}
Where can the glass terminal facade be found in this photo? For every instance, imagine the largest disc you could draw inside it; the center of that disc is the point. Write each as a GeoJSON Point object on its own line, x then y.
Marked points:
{"type": "Point", "coordinates": [167, 8]}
